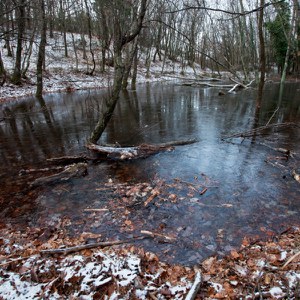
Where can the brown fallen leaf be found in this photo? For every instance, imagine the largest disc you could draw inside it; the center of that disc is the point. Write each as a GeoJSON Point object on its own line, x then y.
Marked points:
{"type": "Point", "coordinates": [234, 254]}
{"type": "Point", "coordinates": [128, 222]}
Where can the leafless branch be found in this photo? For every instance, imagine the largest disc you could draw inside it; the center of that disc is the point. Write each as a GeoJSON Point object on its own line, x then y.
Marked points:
{"type": "Point", "coordinates": [238, 14]}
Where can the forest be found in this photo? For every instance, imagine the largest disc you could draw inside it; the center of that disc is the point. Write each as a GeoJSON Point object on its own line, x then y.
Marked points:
{"type": "Point", "coordinates": [149, 149]}
{"type": "Point", "coordinates": [238, 37]}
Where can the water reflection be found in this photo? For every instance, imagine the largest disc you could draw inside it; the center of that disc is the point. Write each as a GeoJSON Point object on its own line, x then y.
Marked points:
{"type": "Point", "coordinates": [257, 194]}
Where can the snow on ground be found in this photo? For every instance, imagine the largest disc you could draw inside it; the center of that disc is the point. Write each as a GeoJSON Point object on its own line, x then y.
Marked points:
{"type": "Point", "coordinates": [68, 74]}
{"type": "Point", "coordinates": [260, 270]}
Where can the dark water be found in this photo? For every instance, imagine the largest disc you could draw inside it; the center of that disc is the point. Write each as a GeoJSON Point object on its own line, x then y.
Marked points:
{"type": "Point", "coordinates": [245, 197]}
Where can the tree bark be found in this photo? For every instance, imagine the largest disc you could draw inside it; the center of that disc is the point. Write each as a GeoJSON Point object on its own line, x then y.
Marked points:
{"type": "Point", "coordinates": [262, 56]}
{"type": "Point", "coordinates": [120, 40]}
{"type": "Point", "coordinates": [128, 63]}
{"type": "Point", "coordinates": [41, 53]}
{"type": "Point", "coordinates": [135, 68]}
{"type": "Point", "coordinates": [17, 75]}
{"type": "Point", "coordinates": [2, 71]}
{"type": "Point", "coordinates": [90, 38]}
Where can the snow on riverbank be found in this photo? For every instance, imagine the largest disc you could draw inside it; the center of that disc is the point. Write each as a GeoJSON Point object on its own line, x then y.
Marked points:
{"type": "Point", "coordinates": [269, 270]}
{"type": "Point", "coordinates": [69, 74]}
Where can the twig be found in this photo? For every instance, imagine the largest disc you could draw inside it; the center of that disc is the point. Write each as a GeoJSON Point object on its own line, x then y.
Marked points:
{"type": "Point", "coordinates": [195, 287]}
{"type": "Point", "coordinates": [14, 260]}
{"type": "Point", "coordinates": [203, 191]}
{"type": "Point", "coordinates": [234, 87]}
{"type": "Point", "coordinates": [88, 246]}
{"type": "Point", "coordinates": [291, 259]}
{"type": "Point", "coordinates": [275, 111]}
{"type": "Point", "coordinates": [151, 197]}
{"type": "Point", "coordinates": [153, 234]}
{"type": "Point", "coordinates": [96, 209]}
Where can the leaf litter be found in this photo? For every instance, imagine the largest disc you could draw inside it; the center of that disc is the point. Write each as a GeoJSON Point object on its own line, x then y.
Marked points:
{"type": "Point", "coordinates": [259, 269]}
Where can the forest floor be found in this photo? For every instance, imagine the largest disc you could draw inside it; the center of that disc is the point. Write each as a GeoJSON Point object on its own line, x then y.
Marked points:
{"type": "Point", "coordinates": [59, 257]}
{"type": "Point", "coordinates": [267, 269]}
{"type": "Point", "coordinates": [62, 74]}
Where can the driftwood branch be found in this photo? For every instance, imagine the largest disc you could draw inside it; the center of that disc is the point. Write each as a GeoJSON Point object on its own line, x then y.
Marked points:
{"type": "Point", "coordinates": [69, 250]}
{"type": "Point", "coordinates": [71, 171]}
{"type": "Point", "coordinates": [141, 151]}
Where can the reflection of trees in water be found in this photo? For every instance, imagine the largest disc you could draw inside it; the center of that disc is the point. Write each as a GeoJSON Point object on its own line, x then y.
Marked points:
{"type": "Point", "coordinates": [33, 130]}
{"type": "Point", "coordinates": [27, 139]}
{"type": "Point", "coordinates": [157, 115]}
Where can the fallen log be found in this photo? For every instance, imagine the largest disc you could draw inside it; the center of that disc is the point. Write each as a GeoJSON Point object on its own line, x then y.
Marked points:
{"type": "Point", "coordinates": [71, 171]}
{"type": "Point", "coordinates": [141, 151]}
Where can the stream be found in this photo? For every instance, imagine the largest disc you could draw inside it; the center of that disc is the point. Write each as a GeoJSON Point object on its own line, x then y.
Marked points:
{"type": "Point", "coordinates": [225, 189]}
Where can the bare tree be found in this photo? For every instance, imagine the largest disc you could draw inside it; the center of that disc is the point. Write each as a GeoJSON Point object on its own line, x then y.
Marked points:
{"type": "Point", "coordinates": [124, 32]}
{"type": "Point", "coordinates": [20, 6]}
{"type": "Point", "coordinates": [41, 53]}
{"type": "Point", "coordinates": [262, 55]}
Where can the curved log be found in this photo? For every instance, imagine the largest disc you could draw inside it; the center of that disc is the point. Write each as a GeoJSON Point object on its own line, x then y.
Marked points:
{"type": "Point", "coordinates": [141, 151]}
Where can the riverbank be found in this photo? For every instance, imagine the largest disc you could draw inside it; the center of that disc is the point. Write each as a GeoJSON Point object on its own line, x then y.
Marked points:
{"type": "Point", "coordinates": [258, 270]}
{"type": "Point", "coordinates": [68, 74]}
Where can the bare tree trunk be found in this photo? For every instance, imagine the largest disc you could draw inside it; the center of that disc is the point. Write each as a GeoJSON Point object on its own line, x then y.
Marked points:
{"type": "Point", "coordinates": [27, 56]}
{"type": "Point", "coordinates": [2, 71]}
{"type": "Point", "coordinates": [104, 40]}
{"type": "Point", "coordinates": [262, 56]}
{"type": "Point", "coordinates": [128, 63]}
{"type": "Point", "coordinates": [7, 32]}
{"type": "Point", "coordinates": [75, 52]}
{"type": "Point", "coordinates": [51, 18]}
{"type": "Point", "coordinates": [90, 37]}
{"type": "Point", "coordinates": [64, 29]}
{"type": "Point", "coordinates": [120, 40]}
{"type": "Point", "coordinates": [289, 37]}
{"type": "Point", "coordinates": [134, 69]}
{"type": "Point", "coordinates": [113, 98]}
{"type": "Point", "coordinates": [41, 53]}
{"type": "Point", "coordinates": [17, 75]}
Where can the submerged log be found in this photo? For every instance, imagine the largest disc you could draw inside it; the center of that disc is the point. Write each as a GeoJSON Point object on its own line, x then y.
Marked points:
{"type": "Point", "coordinates": [66, 160]}
{"type": "Point", "coordinates": [71, 171]}
{"type": "Point", "coordinates": [141, 151]}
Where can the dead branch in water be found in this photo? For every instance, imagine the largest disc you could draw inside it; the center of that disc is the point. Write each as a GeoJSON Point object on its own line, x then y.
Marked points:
{"type": "Point", "coordinates": [260, 130]}
{"type": "Point", "coordinates": [158, 235]}
{"type": "Point", "coordinates": [71, 171]}
{"type": "Point", "coordinates": [141, 151]}
{"type": "Point", "coordinates": [232, 88]}
{"type": "Point", "coordinates": [66, 160]}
